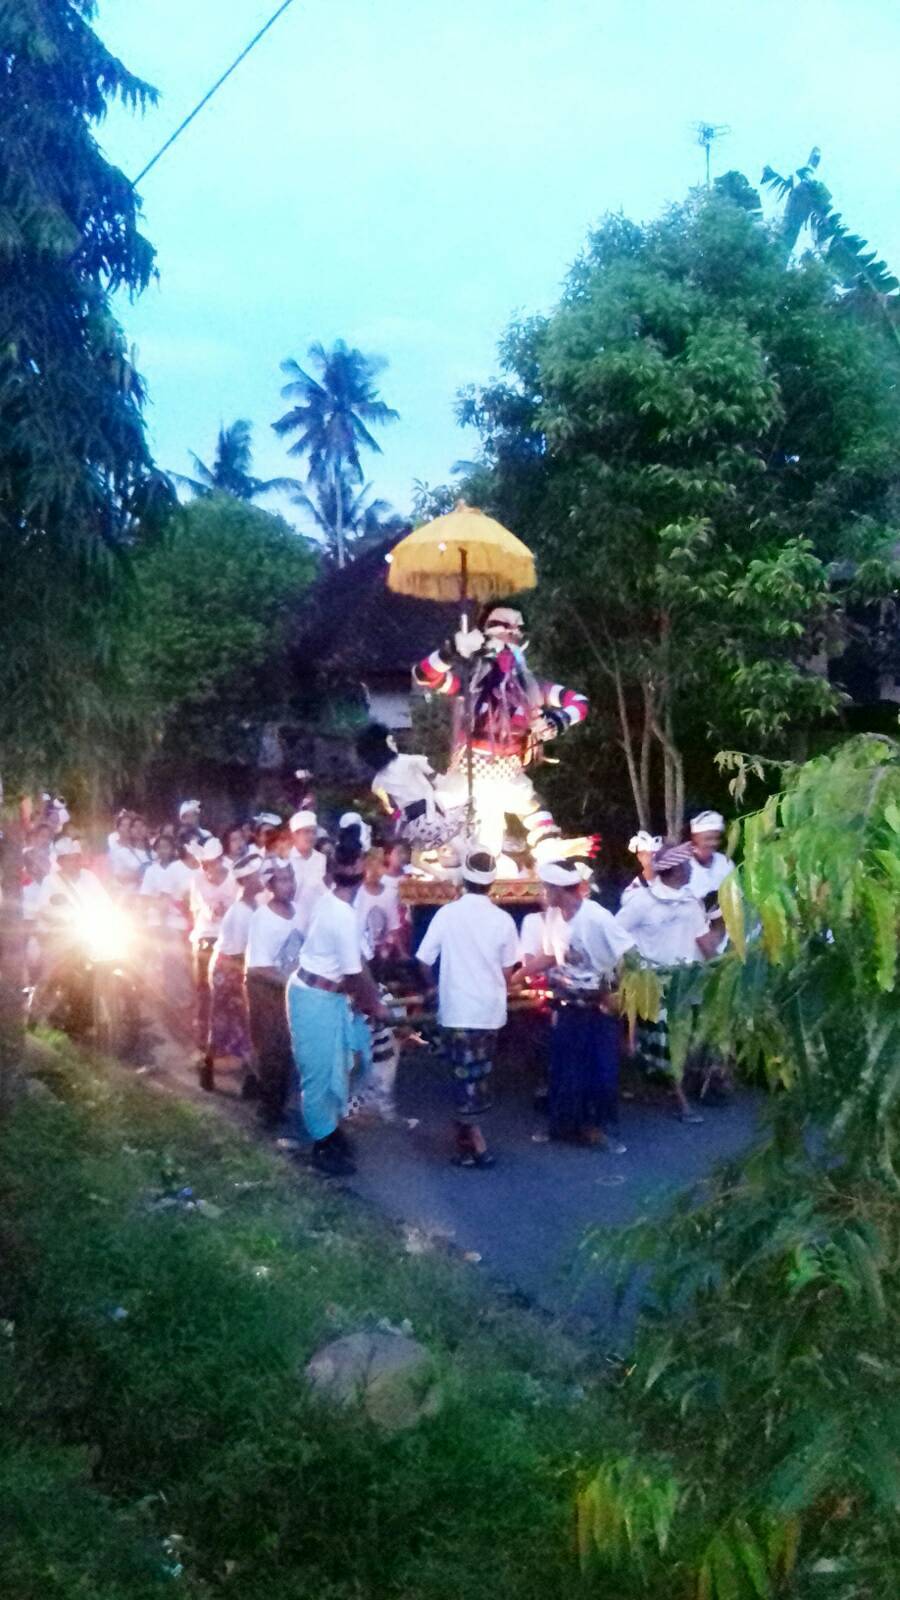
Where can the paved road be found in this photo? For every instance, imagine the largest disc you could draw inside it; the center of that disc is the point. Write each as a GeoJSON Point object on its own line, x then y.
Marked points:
{"type": "Point", "coordinates": [527, 1216]}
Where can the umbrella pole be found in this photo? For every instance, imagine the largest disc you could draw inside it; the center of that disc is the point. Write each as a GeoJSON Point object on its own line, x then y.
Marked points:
{"type": "Point", "coordinates": [467, 690]}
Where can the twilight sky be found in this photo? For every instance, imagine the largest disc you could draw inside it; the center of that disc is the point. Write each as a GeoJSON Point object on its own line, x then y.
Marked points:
{"type": "Point", "coordinates": [408, 175]}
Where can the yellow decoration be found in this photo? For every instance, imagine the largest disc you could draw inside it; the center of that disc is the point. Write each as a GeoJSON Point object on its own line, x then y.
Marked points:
{"type": "Point", "coordinates": [464, 554]}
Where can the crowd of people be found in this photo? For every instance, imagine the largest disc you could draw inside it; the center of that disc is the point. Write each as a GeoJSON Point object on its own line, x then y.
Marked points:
{"type": "Point", "coordinates": [289, 953]}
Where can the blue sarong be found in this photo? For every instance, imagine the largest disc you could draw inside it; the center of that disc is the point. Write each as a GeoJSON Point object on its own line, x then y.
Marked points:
{"type": "Point", "coordinates": [326, 1037]}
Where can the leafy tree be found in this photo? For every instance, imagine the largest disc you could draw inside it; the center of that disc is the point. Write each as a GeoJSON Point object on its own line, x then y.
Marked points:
{"type": "Point", "coordinates": [362, 521]}
{"type": "Point", "coordinates": [333, 415]}
{"type": "Point", "coordinates": [203, 641]}
{"type": "Point", "coordinates": [77, 484]}
{"type": "Point", "coordinates": [702, 452]}
{"type": "Point", "coordinates": [230, 472]}
{"type": "Point", "coordinates": [761, 1394]}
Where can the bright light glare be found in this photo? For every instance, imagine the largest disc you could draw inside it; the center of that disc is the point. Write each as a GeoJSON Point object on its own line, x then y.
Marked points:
{"type": "Point", "coordinates": [105, 931]}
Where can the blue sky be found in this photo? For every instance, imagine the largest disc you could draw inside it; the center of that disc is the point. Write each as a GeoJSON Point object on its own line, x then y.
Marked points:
{"type": "Point", "coordinates": [407, 176]}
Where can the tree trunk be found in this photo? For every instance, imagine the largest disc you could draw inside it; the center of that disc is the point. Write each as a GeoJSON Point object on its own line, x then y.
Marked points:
{"type": "Point", "coordinates": [12, 958]}
{"type": "Point", "coordinates": [638, 787]}
{"type": "Point", "coordinates": [338, 514]}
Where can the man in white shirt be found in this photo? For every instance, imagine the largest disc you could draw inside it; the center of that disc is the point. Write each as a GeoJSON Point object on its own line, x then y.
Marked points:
{"type": "Point", "coordinates": [332, 974]}
{"type": "Point", "coordinates": [274, 941]}
{"type": "Point", "coordinates": [669, 927]}
{"type": "Point", "coordinates": [710, 866]}
{"type": "Point", "coordinates": [477, 945]}
{"type": "Point", "coordinates": [583, 948]}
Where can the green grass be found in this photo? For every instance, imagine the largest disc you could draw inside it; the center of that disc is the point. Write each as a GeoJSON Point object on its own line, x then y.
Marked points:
{"type": "Point", "coordinates": [186, 1419]}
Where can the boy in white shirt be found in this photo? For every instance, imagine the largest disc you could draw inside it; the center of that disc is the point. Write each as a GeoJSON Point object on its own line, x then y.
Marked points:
{"type": "Point", "coordinates": [377, 910]}
{"type": "Point", "coordinates": [477, 945]}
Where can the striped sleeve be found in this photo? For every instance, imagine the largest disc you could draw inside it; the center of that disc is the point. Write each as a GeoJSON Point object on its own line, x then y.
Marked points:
{"type": "Point", "coordinates": [570, 705]}
{"type": "Point", "coordinates": [436, 675]}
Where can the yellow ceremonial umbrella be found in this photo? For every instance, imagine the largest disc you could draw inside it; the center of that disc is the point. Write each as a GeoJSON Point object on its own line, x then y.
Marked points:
{"type": "Point", "coordinates": [463, 556]}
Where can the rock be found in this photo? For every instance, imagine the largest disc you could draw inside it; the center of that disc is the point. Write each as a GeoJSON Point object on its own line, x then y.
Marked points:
{"type": "Point", "coordinates": [392, 1377]}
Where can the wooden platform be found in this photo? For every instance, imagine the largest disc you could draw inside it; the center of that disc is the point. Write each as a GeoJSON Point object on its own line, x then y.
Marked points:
{"type": "Point", "coordinates": [508, 892]}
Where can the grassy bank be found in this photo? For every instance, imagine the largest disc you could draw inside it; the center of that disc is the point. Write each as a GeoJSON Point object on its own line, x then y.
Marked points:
{"type": "Point", "coordinates": [156, 1430]}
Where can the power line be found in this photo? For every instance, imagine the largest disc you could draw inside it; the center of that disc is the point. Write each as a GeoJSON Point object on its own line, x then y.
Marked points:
{"type": "Point", "coordinates": [210, 92]}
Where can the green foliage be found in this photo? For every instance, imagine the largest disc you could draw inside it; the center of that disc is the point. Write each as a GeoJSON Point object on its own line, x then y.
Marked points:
{"type": "Point", "coordinates": [205, 636]}
{"type": "Point", "coordinates": [765, 1363]}
{"type": "Point", "coordinates": [701, 450]}
{"type": "Point", "coordinates": [76, 479]}
{"type": "Point", "coordinates": [188, 1420]}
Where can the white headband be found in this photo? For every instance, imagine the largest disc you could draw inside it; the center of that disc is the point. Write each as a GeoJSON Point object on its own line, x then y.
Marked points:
{"type": "Point", "coordinates": [644, 841]}
{"type": "Point", "coordinates": [708, 822]}
{"type": "Point", "coordinates": [559, 875]}
{"type": "Point", "coordinates": [477, 874]}
{"type": "Point", "coordinates": [248, 865]}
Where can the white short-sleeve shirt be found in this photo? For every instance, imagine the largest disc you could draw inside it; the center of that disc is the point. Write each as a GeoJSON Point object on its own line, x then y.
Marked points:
{"type": "Point", "coordinates": [587, 949]}
{"type": "Point", "coordinates": [209, 903]}
{"type": "Point", "coordinates": [708, 879]}
{"type": "Point", "coordinates": [531, 936]}
{"type": "Point", "coordinates": [333, 946]}
{"type": "Point", "coordinates": [235, 931]}
{"type": "Point", "coordinates": [664, 923]}
{"type": "Point", "coordinates": [272, 940]}
{"type": "Point", "coordinates": [475, 940]}
{"type": "Point", "coordinates": [378, 916]}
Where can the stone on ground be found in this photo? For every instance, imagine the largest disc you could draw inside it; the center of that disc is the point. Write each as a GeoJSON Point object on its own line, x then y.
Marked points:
{"type": "Point", "coordinates": [391, 1377]}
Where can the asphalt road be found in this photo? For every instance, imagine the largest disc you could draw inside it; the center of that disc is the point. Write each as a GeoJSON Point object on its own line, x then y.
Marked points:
{"type": "Point", "coordinates": [527, 1217]}
{"type": "Point", "coordinates": [524, 1219]}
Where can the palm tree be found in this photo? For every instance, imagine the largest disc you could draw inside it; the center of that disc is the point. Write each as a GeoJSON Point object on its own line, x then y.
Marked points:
{"type": "Point", "coordinates": [230, 472]}
{"type": "Point", "coordinates": [332, 415]}
{"type": "Point", "coordinates": [865, 282]}
{"type": "Point", "coordinates": [362, 522]}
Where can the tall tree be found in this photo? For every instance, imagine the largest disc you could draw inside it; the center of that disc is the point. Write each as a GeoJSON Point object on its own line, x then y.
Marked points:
{"type": "Point", "coordinates": [338, 504]}
{"type": "Point", "coordinates": [231, 472]}
{"type": "Point", "coordinates": [702, 451]}
{"type": "Point", "coordinates": [332, 416]}
{"type": "Point", "coordinates": [76, 478]}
